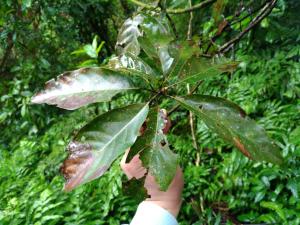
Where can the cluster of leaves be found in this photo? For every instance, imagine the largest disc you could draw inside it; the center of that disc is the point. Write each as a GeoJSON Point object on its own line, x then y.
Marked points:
{"type": "Point", "coordinates": [225, 187]}
{"type": "Point", "coordinates": [171, 62]}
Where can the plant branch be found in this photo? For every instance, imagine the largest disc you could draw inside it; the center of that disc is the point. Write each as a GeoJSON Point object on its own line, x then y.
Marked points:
{"type": "Point", "coordinates": [264, 12]}
{"type": "Point", "coordinates": [190, 28]}
{"type": "Point", "coordinates": [192, 91]}
{"type": "Point", "coordinates": [192, 125]}
{"type": "Point", "coordinates": [172, 25]}
{"type": "Point", "coordinates": [175, 11]}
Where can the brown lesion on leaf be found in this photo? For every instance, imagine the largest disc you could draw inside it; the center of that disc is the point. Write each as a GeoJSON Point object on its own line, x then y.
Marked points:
{"type": "Point", "coordinates": [83, 70]}
{"type": "Point", "coordinates": [163, 143]}
{"type": "Point", "coordinates": [50, 84]}
{"type": "Point", "coordinates": [242, 113]}
{"type": "Point", "coordinates": [241, 147]}
{"type": "Point", "coordinates": [74, 167]}
{"type": "Point", "coordinates": [64, 79]}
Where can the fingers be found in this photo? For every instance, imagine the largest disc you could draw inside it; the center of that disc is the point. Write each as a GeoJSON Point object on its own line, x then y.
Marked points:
{"type": "Point", "coordinates": [172, 194]}
{"type": "Point", "coordinates": [134, 168]}
{"type": "Point", "coordinates": [123, 160]}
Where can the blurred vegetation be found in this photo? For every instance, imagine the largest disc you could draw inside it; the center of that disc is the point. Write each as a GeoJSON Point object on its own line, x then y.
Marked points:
{"type": "Point", "coordinates": [40, 39]}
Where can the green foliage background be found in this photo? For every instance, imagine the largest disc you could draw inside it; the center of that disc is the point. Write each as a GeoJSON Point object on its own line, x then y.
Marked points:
{"type": "Point", "coordinates": [36, 42]}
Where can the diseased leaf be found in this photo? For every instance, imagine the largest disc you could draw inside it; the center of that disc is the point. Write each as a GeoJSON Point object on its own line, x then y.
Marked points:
{"type": "Point", "coordinates": [152, 33]}
{"type": "Point", "coordinates": [189, 66]}
{"type": "Point", "coordinates": [131, 64]}
{"type": "Point", "coordinates": [154, 150]}
{"type": "Point", "coordinates": [230, 122]}
{"type": "Point", "coordinates": [100, 142]}
{"type": "Point", "coordinates": [72, 90]}
{"type": "Point", "coordinates": [127, 41]}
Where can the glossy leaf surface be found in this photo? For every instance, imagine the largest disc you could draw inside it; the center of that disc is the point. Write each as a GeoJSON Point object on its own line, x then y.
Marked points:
{"type": "Point", "coordinates": [127, 41]}
{"type": "Point", "coordinates": [100, 142]}
{"type": "Point", "coordinates": [154, 150]}
{"type": "Point", "coordinates": [72, 90]}
{"type": "Point", "coordinates": [131, 64]}
{"type": "Point", "coordinates": [189, 66]}
{"type": "Point", "coordinates": [156, 38]}
{"type": "Point", "coordinates": [230, 122]}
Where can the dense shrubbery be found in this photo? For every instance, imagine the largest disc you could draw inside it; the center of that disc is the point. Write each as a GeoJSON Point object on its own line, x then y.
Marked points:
{"type": "Point", "coordinates": [221, 185]}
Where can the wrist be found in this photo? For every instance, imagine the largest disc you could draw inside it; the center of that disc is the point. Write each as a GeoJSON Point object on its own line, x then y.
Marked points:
{"type": "Point", "coordinates": [172, 206]}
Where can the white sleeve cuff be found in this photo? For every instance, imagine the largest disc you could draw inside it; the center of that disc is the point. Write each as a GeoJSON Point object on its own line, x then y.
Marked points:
{"type": "Point", "coordinates": [151, 214]}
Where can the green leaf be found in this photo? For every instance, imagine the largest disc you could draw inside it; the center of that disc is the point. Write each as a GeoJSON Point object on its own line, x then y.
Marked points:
{"type": "Point", "coordinates": [90, 51]}
{"type": "Point", "coordinates": [293, 186]}
{"type": "Point", "coordinates": [154, 150]}
{"type": "Point", "coordinates": [72, 90]}
{"type": "Point", "coordinates": [100, 142]}
{"type": "Point", "coordinates": [95, 42]}
{"type": "Point", "coordinates": [156, 39]}
{"type": "Point", "coordinates": [181, 51]}
{"type": "Point", "coordinates": [230, 122]}
{"type": "Point", "coordinates": [80, 51]}
{"type": "Point", "coordinates": [100, 47]}
{"type": "Point", "coordinates": [189, 66]}
{"type": "Point", "coordinates": [157, 29]}
{"type": "Point", "coordinates": [275, 207]}
{"type": "Point", "coordinates": [127, 41]}
{"type": "Point", "coordinates": [88, 63]}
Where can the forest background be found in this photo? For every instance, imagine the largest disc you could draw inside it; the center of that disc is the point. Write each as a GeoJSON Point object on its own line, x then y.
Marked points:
{"type": "Point", "coordinates": [41, 39]}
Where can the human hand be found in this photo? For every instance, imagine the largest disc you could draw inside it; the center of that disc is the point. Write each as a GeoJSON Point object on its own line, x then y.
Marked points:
{"type": "Point", "coordinates": [170, 199]}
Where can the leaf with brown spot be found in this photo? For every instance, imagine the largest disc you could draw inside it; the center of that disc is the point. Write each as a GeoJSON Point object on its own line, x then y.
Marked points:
{"type": "Point", "coordinates": [100, 142]}
{"type": "Point", "coordinates": [154, 150]}
{"type": "Point", "coordinates": [78, 88]}
{"type": "Point", "coordinates": [242, 148]}
{"type": "Point", "coordinates": [229, 121]}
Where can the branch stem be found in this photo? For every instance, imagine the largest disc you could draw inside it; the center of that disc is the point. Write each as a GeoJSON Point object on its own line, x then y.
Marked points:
{"type": "Point", "coordinates": [264, 12]}
{"type": "Point", "coordinates": [176, 11]}
{"type": "Point", "coordinates": [192, 125]}
{"type": "Point", "coordinates": [192, 91]}
{"type": "Point", "coordinates": [190, 28]}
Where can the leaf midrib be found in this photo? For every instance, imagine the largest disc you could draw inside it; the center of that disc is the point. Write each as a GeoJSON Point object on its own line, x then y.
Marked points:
{"type": "Point", "coordinates": [118, 133]}
{"type": "Point", "coordinates": [81, 92]}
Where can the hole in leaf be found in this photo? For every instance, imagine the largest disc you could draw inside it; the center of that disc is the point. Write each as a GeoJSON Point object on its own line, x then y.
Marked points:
{"type": "Point", "coordinates": [163, 142]}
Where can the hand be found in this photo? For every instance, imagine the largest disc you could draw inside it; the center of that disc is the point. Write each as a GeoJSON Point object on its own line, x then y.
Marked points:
{"type": "Point", "coordinates": [170, 199]}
